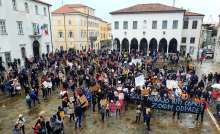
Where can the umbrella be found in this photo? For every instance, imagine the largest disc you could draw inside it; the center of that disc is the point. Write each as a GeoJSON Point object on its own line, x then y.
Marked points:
{"type": "Point", "coordinates": [217, 86]}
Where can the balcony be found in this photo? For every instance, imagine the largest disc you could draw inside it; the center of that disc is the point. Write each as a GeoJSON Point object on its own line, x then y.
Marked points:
{"type": "Point", "coordinates": [35, 35]}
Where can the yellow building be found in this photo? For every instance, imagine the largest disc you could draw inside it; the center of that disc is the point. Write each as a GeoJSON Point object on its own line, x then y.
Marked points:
{"type": "Point", "coordinates": [76, 26]}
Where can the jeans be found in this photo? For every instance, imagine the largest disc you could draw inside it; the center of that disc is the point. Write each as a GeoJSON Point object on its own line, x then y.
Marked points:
{"type": "Point", "coordinates": [44, 93]}
{"type": "Point", "coordinates": [28, 103]}
{"type": "Point", "coordinates": [178, 115]}
{"type": "Point", "coordinates": [200, 114]}
{"type": "Point", "coordinates": [78, 121]}
{"type": "Point", "coordinates": [138, 118]}
{"type": "Point", "coordinates": [22, 128]}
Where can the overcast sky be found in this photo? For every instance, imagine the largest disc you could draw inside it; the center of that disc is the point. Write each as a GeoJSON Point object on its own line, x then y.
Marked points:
{"type": "Point", "coordinates": [211, 8]}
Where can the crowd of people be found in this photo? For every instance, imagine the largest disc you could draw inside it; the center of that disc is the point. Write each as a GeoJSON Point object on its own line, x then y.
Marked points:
{"type": "Point", "coordinates": [103, 80]}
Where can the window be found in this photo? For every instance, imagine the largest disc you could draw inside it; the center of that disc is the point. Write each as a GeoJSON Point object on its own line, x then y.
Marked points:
{"type": "Point", "coordinates": [192, 40]}
{"type": "Point", "coordinates": [23, 52]}
{"type": "Point", "coordinates": [125, 25]}
{"type": "Point", "coordinates": [184, 40]}
{"type": "Point", "coordinates": [70, 22]}
{"type": "Point", "coordinates": [36, 30]}
{"type": "Point", "coordinates": [164, 24]}
{"type": "Point", "coordinates": [70, 34]}
{"type": "Point", "coordinates": [116, 25]}
{"type": "Point", "coordinates": [20, 27]}
{"type": "Point", "coordinates": [82, 34]}
{"type": "Point", "coordinates": [14, 4]}
{"type": "Point", "coordinates": [59, 22]}
{"type": "Point", "coordinates": [144, 24]}
{"type": "Point", "coordinates": [3, 27]}
{"type": "Point", "coordinates": [194, 25]}
{"type": "Point", "coordinates": [185, 24]}
{"type": "Point", "coordinates": [154, 24]}
{"type": "Point", "coordinates": [45, 11]}
{"type": "Point", "coordinates": [36, 10]}
{"type": "Point", "coordinates": [135, 24]}
{"type": "Point", "coordinates": [26, 7]}
{"type": "Point", "coordinates": [60, 34]}
{"type": "Point", "coordinates": [175, 24]}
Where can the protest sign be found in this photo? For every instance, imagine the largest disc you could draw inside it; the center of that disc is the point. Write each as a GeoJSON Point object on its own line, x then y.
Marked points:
{"type": "Point", "coordinates": [140, 81]}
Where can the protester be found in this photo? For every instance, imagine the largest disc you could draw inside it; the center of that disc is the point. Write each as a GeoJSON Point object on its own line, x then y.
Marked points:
{"type": "Point", "coordinates": [21, 123]}
{"type": "Point", "coordinates": [147, 118]}
{"type": "Point", "coordinates": [78, 115]}
{"type": "Point", "coordinates": [138, 114]}
{"type": "Point", "coordinates": [70, 109]}
{"type": "Point", "coordinates": [16, 129]}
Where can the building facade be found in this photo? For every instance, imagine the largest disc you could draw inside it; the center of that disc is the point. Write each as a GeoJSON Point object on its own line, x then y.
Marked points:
{"type": "Point", "coordinates": [217, 45]}
{"type": "Point", "coordinates": [156, 27]}
{"type": "Point", "coordinates": [76, 26]}
{"type": "Point", "coordinates": [208, 36]}
{"type": "Point", "coordinates": [25, 29]}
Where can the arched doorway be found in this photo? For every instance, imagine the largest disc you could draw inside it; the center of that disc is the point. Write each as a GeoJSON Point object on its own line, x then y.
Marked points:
{"type": "Point", "coordinates": [36, 48]}
{"type": "Point", "coordinates": [143, 46]}
{"type": "Point", "coordinates": [125, 45]}
{"type": "Point", "coordinates": [23, 52]}
{"type": "Point", "coordinates": [163, 46]}
{"type": "Point", "coordinates": [117, 44]}
{"type": "Point", "coordinates": [134, 45]}
{"type": "Point", "coordinates": [153, 45]}
{"type": "Point", "coordinates": [172, 46]}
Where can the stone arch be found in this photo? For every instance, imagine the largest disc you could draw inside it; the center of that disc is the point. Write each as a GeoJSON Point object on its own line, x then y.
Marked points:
{"type": "Point", "coordinates": [153, 45]}
{"type": "Point", "coordinates": [117, 45]}
{"type": "Point", "coordinates": [173, 46]}
{"type": "Point", "coordinates": [134, 45]}
{"type": "Point", "coordinates": [163, 46]}
{"type": "Point", "coordinates": [125, 45]}
{"type": "Point", "coordinates": [143, 45]}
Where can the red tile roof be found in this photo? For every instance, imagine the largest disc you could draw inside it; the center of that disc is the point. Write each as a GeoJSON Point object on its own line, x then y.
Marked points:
{"type": "Point", "coordinates": [39, 1]}
{"type": "Point", "coordinates": [152, 7]}
{"type": "Point", "coordinates": [187, 13]}
{"type": "Point", "coordinates": [69, 8]}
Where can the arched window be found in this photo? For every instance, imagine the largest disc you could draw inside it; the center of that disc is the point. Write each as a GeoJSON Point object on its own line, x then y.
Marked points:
{"type": "Point", "coordinates": [36, 10]}
{"type": "Point", "coordinates": [14, 4]}
{"type": "Point", "coordinates": [26, 7]}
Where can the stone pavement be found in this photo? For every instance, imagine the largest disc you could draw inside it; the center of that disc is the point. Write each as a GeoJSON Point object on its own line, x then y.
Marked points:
{"type": "Point", "coordinates": [162, 122]}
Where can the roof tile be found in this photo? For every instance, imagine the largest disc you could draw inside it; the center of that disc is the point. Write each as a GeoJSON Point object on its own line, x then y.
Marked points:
{"type": "Point", "coordinates": [151, 7]}
{"type": "Point", "coordinates": [187, 13]}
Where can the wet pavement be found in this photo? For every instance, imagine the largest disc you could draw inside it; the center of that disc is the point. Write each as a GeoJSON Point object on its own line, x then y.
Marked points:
{"type": "Point", "coordinates": [162, 122]}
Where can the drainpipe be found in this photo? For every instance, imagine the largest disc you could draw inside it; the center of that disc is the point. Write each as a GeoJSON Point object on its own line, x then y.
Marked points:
{"type": "Point", "coordinates": [51, 37]}
{"type": "Point", "coordinates": [64, 19]}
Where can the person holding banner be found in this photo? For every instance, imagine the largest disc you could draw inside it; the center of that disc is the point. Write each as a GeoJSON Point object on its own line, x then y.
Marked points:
{"type": "Point", "coordinates": [204, 107]}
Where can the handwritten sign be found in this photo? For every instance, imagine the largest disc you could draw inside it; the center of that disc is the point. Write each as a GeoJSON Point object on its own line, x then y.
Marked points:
{"type": "Point", "coordinates": [140, 81]}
